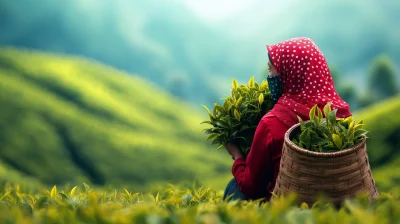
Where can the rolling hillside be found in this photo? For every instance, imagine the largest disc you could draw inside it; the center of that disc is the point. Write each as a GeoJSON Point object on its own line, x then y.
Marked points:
{"type": "Point", "coordinates": [66, 119]}
{"type": "Point", "coordinates": [383, 122]}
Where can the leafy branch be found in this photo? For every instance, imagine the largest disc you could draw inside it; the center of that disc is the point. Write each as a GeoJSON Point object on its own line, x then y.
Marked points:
{"type": "Point", "coordinates": [237, 118]}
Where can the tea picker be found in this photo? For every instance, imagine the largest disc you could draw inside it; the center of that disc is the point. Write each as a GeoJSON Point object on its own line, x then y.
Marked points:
{"type": "Point", "coordinates": [261, 134]}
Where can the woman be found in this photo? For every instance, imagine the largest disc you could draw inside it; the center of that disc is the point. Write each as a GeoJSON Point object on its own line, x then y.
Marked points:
{"type": "Point", "coordinates": [298, 78]}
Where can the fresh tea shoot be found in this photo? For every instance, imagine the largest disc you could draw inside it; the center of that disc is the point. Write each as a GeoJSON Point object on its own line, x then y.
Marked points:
{"type": "Point", "coordinates": [237, 118]}
{"type": "Point", "coordinates": [325, 132]}
{"type": "Point", "coordinates": [174, 204]}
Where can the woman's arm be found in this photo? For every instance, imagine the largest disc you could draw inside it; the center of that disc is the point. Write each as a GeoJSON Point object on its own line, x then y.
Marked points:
{"type": "Point", "coordinates": [254, 173]}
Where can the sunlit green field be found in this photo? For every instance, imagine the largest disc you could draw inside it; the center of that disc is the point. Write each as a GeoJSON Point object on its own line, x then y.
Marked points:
{"type": "Point", "coordinates": [67, 119]}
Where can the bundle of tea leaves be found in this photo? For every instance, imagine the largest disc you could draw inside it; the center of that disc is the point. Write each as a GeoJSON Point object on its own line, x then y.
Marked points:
{"type": "Point", "coordinates": [236, 120]}
{"type": "Point", "coordinates": [328, 133]}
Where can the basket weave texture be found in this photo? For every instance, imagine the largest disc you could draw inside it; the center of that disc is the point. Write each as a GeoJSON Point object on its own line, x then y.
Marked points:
{"type": "Point", "coordinates": [337, 175]}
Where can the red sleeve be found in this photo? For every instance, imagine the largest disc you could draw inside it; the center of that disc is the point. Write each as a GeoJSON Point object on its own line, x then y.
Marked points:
{"type": "Point", "coordinates": [254, 173]}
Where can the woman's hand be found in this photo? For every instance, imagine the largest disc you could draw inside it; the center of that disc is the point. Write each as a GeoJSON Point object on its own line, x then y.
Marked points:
{"type": "Point", "coordinates": [234, 151]}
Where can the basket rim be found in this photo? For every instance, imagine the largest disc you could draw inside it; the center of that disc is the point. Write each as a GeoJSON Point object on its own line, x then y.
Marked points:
{"type": "Point", "coordinates": [303, 151]}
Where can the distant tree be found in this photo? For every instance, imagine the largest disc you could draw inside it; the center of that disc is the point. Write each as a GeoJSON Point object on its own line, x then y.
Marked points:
{"type": "Point", "coordinates": [365, 100]}
{"type": "Point", "coordinates": [382, 78]}
{"type": "Point", "coordinates": [346, 90]}
{"type": "Point", "coordinates": [177, 83]}
{"type": "Point", "coordinates": [348, 93]}
{"type": "Point", "coordinates": [335, 75]}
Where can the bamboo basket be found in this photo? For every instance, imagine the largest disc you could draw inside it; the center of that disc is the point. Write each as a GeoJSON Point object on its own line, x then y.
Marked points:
{"type": "Point", "coordinates": [336, 175]}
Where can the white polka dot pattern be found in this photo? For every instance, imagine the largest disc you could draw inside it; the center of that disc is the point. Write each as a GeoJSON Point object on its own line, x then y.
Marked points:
{"type": "Point", "coordinates": [305, 75]}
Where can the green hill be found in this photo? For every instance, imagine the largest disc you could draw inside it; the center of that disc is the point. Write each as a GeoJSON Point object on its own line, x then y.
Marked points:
{"type": "Point", "coordinates": [67, 119]}
{"type": "Point", "coordinates": [383, 122]}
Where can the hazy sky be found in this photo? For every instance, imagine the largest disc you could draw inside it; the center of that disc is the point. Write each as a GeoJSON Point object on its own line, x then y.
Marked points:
{"type": "Point", "coordinates": [218, 10]}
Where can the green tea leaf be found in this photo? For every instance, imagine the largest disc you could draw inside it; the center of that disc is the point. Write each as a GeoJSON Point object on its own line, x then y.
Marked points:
{"type": "Point", "coordinates": [308, 125]}
{"type": "Point", "coordinates": [234, 83]}
{"type": "Point", "coordinates": [316, 121]}
{"type": "Point", "coordinates": [304, 206]}
{"type": "Point", "coordinates": [87, 187]}
{"type": "Point", "coordinates": [351, 124]}
{"type": "Point", "coordinates": [328, 148]}
{"type": "Point", "coordinates": [212, 136]}
{"type": "Point", "coordinates": [208, 131]}
{"type": "Point", "coordinates": [261, 98]}
{"type": "Point", "coordinates": [342, 129]}
{"type": "Point", "coordinates": [358, 126]}
{"type": "Point", "coordinates": [327, 109]}
{"type": "Point", "coordinates": [360, 133]}
{"type": "Point", "coordinates": [342, 122]}
{"type": "Point", "coordinates": [237, 115]}
{"type": "Point", "coordinates": [220, 147]}
{"type": "Point", "coordinates": [251, 82]}
{"type": "Point", "coordinates": [216, 141]}
{"type": "Point", "coordinates": [349, 120]}
{"type": "Point", "coordinates": [215, 111]}
{"type": "Point", "coordinates": [300, 120]}
{"type": "Point", "coordinates": [41, 201]}
{"type": "Point", "coordinates": [323, 129]}
{"type": "Point", "coordinates": [4, 196]}
{"type": "Point", "coordinates": [305, 137]}
{"type": "Point", "coordinates": [320, 115]}
{"type": "Point", "coordinates": [337, 140]}
{"type": "Point", "coordinates": [208, 111]}
{"type": "Point", "coordinates": [222, 124]}
{"type": "Point", "coordinates": [238, 102]}
{"type": "Point", "coordinates": [64, 196]}
{"type": "Point", "coordinates": [312, 112]}
{"type": "Point", "coordinates": [72, 193]}
{"type": "Point", "coordinates": [53, 192]}
{"type": "Point", "coordinates": [332, 117]}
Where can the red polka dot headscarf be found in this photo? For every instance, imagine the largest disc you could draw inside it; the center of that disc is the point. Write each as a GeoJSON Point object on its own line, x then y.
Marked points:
{"type": "Point", "coordinates": [305, 76]}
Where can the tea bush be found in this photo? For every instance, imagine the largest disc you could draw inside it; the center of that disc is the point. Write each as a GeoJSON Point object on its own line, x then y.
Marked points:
{"type": "Point", "coordinates": [173, 204]}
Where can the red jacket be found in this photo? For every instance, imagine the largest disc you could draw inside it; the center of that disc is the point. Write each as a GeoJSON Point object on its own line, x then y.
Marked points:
{"type": "Point", "coordinates": [257, 173]}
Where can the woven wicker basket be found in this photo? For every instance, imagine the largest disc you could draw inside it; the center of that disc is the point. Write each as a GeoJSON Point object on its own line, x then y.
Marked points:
{"type": "Point", "coordinates": [337, 175]}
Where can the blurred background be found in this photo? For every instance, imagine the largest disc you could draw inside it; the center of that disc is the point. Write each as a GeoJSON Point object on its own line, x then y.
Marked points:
{"type": "Point", "coordinates": [109, 92]}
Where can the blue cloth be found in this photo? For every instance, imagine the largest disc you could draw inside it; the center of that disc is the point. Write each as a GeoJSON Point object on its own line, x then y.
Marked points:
{"type": "Point", "coordinates": [233, 189]}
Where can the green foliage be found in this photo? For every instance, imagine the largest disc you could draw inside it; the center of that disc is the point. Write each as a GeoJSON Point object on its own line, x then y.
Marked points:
{"type": "Point", "coordinates": [66, 119]}
{"type": "Point", "coordinates": [387, 175]}
{"type": "Point", "coordinates": [174, 204]}
{"type": "Point", "coordinates": [237, 118]}
{"type": "Point", "coordinates": [382, 81]}
{"type": "Point", "coordinates": [349, 94]}
{"type": "Point", "coordinates": [324, 132]}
